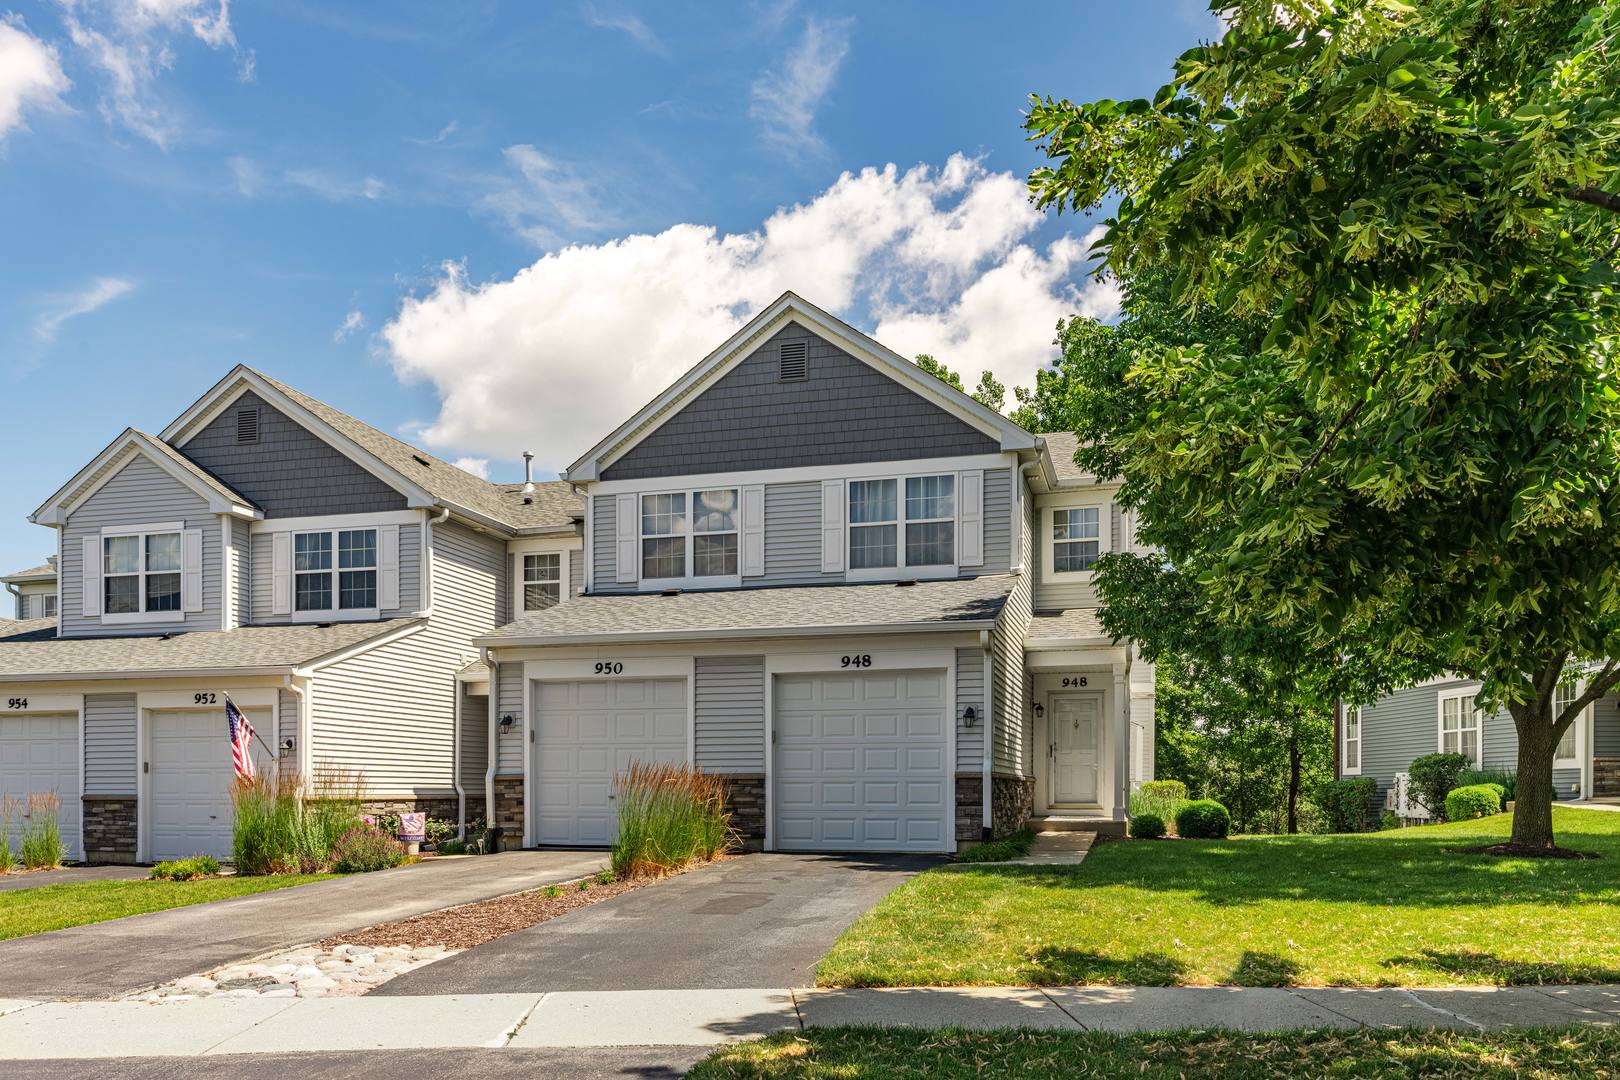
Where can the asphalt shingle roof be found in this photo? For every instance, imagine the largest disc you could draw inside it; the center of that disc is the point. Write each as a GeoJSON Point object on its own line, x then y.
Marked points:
{"type": "Point", "coordinates": [31, 648]}
{"type": "Point", "coordinates": [1075, 624]}
{"type": "Point", "coordinates": [1062, 445]}
{"type": "Point", "coordinates": [762, 612]}
{"type": "Point", "coordinates": [552, 503]}
{"type": "Point", "coordinates": [42, 572]}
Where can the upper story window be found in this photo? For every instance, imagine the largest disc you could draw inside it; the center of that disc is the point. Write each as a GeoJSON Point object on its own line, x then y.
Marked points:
{"type": "Point", "coordinates": [897, 524]}
{"type": "Point", "coordinates": [689, 534]}
{"type": "Point", "coordinates": [50, 605]}
{"type": "Point", "coordinates": [542, 580]}
{"type": "Point", "coordinates": [1350, 760]}
{"type": "Point", "coordinates": [140, 573]}
{"type": "Point", "coordinates": [1073, 538]}
{"type": "Point", "coordinates": [335, 570]}
{"type": "Point", "coordinates": [1460, 723]}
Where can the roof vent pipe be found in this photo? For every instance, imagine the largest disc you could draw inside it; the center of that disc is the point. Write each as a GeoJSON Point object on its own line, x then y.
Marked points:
{"type": "Point", "coordinates": [528, 471]}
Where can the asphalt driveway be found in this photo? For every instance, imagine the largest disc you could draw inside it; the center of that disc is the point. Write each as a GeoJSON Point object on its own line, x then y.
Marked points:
{"type": "Point", "coordinates": [761, 920]}
{"type": "Point", "coordinates": [109, 959]}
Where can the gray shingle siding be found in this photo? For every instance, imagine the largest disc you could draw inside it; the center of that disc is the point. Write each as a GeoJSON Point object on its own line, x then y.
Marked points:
{"type": "Point", "coordinates": [109, 744]}
{"type": "Point", "coordinates": [139, 493]}
{"type": "Point", "coordinates": [262, 575]}
{"type": "Point", "coordinates": [843, 412]}
{"type": "Point", "coordinates": [289, 472]}
{"type": "Point", "coordinates": [1406, 725]}
{"type": "Point", "coordinates": [969, 692]}
{"type": "Point", "coordinates": [730, 714]}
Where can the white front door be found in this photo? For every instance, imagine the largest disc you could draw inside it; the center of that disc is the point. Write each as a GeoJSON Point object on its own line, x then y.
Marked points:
{"type": "Point", "coordinates": [584, 733]}
{"type": "Point", "coordinates": [39, 755]}
{"type": "Point", "coordinates": [192, 779]}
{"type": "Point", "coordinates": [861, 762]}
{"type": "Point", "coordinates": [1076, 735]}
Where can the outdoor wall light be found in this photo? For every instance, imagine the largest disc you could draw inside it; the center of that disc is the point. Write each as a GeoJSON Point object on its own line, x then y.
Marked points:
{"type": "Point", "coordinates": [508, 722]}
{"type": "Point", "coordinates": [287, 745]}
{"type": "Point", "coordinates": [1040, 710]}
{"type": "Point", "coordinates": [969, 717]}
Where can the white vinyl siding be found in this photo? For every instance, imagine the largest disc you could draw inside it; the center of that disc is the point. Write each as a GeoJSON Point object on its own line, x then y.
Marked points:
{"type": "Point", "coordinates": [109, 744]}
{"type": "Point", "coordinates": [138, 494]}
{"type": "Point", "coordinates": [730, 720]}
{"type": "Point", "coordinates": [389, 711]}
{"type": "Point", "coordinates": [1010, 690]}
{"type": "Point", "coordinates": [969, 694]}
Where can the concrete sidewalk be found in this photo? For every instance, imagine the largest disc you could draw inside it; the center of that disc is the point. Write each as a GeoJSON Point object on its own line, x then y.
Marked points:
{"type": "Point", "coordinates": [110, 959]}
{"type": "Point", "coordinates": [221, 1026]}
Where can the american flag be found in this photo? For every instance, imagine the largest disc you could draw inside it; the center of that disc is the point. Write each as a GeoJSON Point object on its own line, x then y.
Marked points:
{"type": "Point", "coordinates": [241, 741]}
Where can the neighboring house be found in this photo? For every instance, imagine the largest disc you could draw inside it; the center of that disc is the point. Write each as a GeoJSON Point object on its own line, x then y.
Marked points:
{"type": "Point", "coordinates": [853, 590]}
{"type": "Point", "coordinates": [34, 590]}
{"type": "Point", "coordinates": [1382, 739]}
{"type": "Point", "coordinates": [327, 577]}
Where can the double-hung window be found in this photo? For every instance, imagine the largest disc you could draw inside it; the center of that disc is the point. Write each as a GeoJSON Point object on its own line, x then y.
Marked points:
{"type": "Point", "coordinates": [1076, 539]}
{"type": "Point", "coordinates": [140, 573]}
{"type": "Point", "coordinates": [1350, 760]}
{"type": "Point", "coordinates": [542, 580]}
{"type": "Point", "coordinates": [902, 524]}
{"type": "Point", "coordinates": [50, 605]}
{"type": "Point", "coordinates": [689, 535]}
{"type": "Point", "coordinates": [1460, 722]}
{"type": "Point", "coordinates": [1569, 743]}
{"type": "Point", "coordinates": [335, 570]}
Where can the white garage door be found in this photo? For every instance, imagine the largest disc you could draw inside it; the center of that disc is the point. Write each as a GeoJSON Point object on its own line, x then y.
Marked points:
{"type": "Point", "coordinates": [584, 731]}
{"type": "Point", "coordinates": [191, 780]}
{"type": "Point", "coordinates": [860, 762]}
{"type": "Point", "coordinates": [39, 753]}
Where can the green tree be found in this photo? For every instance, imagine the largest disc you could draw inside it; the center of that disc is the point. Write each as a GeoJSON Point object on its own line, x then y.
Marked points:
{"type": "Point", "coordinates": [989, 392]}
{"type": "Point", "coordinates": [1420, 456]}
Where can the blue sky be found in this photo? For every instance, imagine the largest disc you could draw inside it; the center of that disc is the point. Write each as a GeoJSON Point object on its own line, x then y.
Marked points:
{"type": "Point", "coordinates": [487, 227]}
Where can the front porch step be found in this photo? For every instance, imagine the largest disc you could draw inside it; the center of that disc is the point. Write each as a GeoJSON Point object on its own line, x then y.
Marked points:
{"type": "Point", "coordinates": [1072, 823]}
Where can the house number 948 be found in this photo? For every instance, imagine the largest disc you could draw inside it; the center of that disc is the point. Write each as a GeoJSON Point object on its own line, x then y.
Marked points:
{"type": "Point", "coordinates": [1074, 680]}
{"type": "Point", "coordinates": [857, 660]}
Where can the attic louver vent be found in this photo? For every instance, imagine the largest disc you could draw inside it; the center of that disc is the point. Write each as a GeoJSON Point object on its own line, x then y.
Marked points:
{"type": "Point", "coordinates": [795, 365]}
{"type": "Point", "coordinates": [247, 425]}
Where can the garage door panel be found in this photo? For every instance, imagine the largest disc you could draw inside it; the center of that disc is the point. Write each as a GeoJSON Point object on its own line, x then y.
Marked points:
{"type": "Point", "coordinates": [39, 755]}
{"type": "Point", "coordinates": [189, 809]}
{"type": "Point", "coordinates": [587, 731]}
{"type": "Point", "coordinates": [860, 761]}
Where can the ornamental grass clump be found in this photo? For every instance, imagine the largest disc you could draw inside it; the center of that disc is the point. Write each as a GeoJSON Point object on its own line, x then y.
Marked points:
{"type": "Point", "coordinates": [669, 816]}
{"type": "Point", "coordinates": [40, 845]}
{"type": "Point", "coordinates": [11, 812]}
{"type": "Point", "coordinates": [1162, 799]}
{"type": "Point", "coordinates": [279, 829]}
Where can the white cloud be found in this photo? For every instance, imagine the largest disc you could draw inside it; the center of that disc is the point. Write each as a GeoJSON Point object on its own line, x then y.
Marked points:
{"type": "Point", "coordinates": [476, 465]}
{"type": "Point", "coordinates": [549, 200]}
{"type": "Point", "coordinates": [100, 292]}
{"type": "Point", "coordinates": [787, 96]}
{"type": "Point", "coordinates": [30, 75]}
{"type": "Point", "coordinates": [133, 43]}
{"type": "Point", "coordinates": [247, 174]}
{"type": "Point", "coordinates": [943, 261]}
{"type": "Point", "coordinates": [351, 322]}
{"type": "Point", "coordinates": [630, 25]}
{"type": "Point", "coordinates": [443, 134]}
{"type": "Point", "coordinates": [335, 188]}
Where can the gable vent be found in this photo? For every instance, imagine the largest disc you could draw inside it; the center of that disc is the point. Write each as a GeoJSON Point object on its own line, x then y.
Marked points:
{"type": "Point", "coordinates": [247, 425]}
{"type": "Point", "coordinates": [795, 363]}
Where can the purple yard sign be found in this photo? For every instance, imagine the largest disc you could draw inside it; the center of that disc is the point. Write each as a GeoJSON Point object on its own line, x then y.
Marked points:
{"type": "Point", "coordinates": [412, 828]}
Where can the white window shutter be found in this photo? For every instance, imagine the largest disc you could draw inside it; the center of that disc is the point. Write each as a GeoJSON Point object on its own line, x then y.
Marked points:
{"type": "Point", "coordinates": [91, 574]}
{"type": "Point", "coordinates": [832, 526]}
{"type": "Point", "coordinates": [970, 518]}
{"type": "Point", "coordinates": [191, 570]}
{"type": "Point", "coordinates": [627, 530]}
{"type": "Point", "coordinates": [753, 531]}
{"type": "Point", "coordinates": [387, 567]}
{"type": "Point", "coordinates": [281, 573]}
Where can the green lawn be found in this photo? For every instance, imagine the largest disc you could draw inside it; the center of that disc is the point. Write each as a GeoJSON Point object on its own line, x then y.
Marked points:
{"type": "Point", "coordinates": [53, 907]}
{"type": "Point", "coordinates": [1394, 908]}
{"type": "Point", "coordinates": [872, 1053]}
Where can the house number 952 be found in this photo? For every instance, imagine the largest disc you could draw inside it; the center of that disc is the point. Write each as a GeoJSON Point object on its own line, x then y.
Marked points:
{"type": "Point", "coordinates": [857, 660]}
{"type": "Point", "coordinates": [610, 668]}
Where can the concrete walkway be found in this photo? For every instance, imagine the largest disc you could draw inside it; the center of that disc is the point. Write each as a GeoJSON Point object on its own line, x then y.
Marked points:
{"type": "Point", "coordinates": [110, 959]}
{"type": "Point", "coordinates": [222, 1026]}
{"type": "Point", "coordinates": [69, 875]}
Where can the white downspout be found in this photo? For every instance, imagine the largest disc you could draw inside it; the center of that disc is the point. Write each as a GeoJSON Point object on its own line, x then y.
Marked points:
{"type": "Point", "coordinates": [988, 750]}
{"type": "Point", "coordinates": [16, 591]}
{"type": "Point", "coordinates": [455, 760]}
{"type": "Point", "coordinates": [494, 666]}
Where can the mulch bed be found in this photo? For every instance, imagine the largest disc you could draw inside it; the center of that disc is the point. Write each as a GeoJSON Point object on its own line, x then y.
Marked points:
{"type": "Point", "coordinates": [1521, 851]}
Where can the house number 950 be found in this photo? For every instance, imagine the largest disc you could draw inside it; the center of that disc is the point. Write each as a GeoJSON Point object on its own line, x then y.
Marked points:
{"type": "Point", "coordinates": [610, 668]}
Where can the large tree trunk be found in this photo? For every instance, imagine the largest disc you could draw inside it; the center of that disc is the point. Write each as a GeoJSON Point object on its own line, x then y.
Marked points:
{"type": "Point", "coordinates": [1533, 794]}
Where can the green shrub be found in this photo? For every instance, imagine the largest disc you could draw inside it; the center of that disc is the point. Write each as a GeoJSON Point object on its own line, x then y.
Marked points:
{"type": "Point", "coordinates": [1158, 798]}
{"type": "Point", "coordinates": [365, 848]}
{"type": "Point", "coordinates": [1390, 820]}
{"type": "Point", "coordinates": [438, 831]}
{"type": "Point", "coordinates": [198, 866]}
{"type": "Point", "coordinates": [1006, 849]}
{"type": "Point", "coordinates": [1506, 779]}
{"type": "Point", "coordinates": [1433, 777]}
{"type": "Point", "coordinates": [1473, 801]}
{"type": "Point", "coordinates": [1147, 826]}
{"type": "Point", "coordinates": [40, 844]}
{"type": "Point", "coordinates": [453, 847]}
{"type": "Point", "coordinates": [1346, 805]}
{"type": "Point", "coordinates": [1203, 819]}
{"type": "Point", "coordinates": [669, 816]}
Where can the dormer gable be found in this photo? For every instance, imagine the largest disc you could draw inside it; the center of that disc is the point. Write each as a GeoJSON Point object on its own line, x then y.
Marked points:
{"type": "Point", "coordinates": [796, 386]}
{"type": "Point", "coordinates": [219, 496]}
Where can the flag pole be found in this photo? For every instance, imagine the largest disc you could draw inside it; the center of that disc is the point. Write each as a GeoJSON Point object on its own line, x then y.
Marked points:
{"type": "Point", "coordinates": [256, 736]}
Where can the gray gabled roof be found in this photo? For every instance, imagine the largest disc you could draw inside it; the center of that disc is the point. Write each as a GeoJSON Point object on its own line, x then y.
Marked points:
{"type": "Point", "coordinates": [785, 611]}
{"type": "Point", "coordinates": [1061, 445]}
{"type": "Point", "coordinates": [552, 503]}
{"type": "Point", "coordinates": [42, 572]}
{"type": "Point", "coordinates": [1059, 629]}
{"type": "Point", "coordinates": [30, 650]}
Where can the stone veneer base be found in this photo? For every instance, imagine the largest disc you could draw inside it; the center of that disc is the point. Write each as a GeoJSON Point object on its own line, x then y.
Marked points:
{"type": "Point", "coordinates": [745, 802]}
{"type": "Point", "coordinates": [109, 828]}
{"type": "Point", "coordinates": [1012, 803]}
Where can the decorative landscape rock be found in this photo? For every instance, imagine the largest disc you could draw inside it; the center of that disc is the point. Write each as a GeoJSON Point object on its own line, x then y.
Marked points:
{"type": "Point", "coordinates": [340, 971]}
